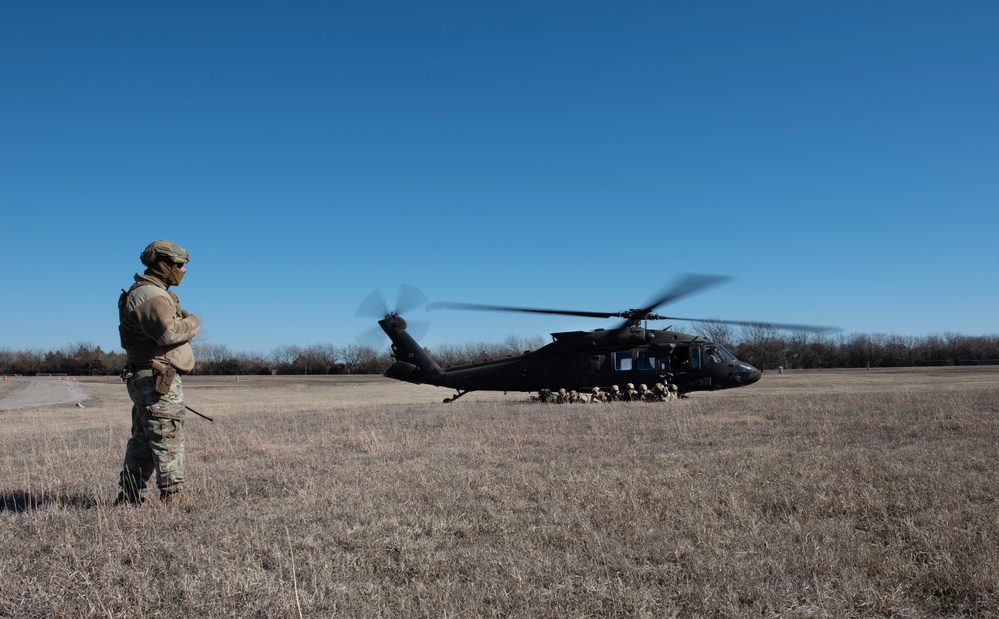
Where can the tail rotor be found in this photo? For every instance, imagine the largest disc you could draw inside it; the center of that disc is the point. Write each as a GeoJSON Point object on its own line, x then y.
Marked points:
{"type": "Point", "coordinates": [376, 306]}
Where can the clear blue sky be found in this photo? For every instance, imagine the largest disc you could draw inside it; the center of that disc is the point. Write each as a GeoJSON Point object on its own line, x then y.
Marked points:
{"type": "Point", "coordinates": [840, 161]}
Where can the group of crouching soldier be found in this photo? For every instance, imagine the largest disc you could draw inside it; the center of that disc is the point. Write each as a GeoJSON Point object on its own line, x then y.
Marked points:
{"type": "Point", "coordinates": [659, 393]}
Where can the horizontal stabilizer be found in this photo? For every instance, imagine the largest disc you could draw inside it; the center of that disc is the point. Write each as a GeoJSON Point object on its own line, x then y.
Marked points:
{"type": "Point", "coordinates": [400, 370]}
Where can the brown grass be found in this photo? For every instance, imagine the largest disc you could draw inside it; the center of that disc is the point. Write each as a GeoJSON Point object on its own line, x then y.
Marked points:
{"type": "Point", "coordinates": [10, 385]}
{"type": "Point", "coordinates": [810, 494]}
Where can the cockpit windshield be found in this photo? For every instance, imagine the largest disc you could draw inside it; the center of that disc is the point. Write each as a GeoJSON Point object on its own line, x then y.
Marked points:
{"type": "Point", "coordinates": [717, 354]}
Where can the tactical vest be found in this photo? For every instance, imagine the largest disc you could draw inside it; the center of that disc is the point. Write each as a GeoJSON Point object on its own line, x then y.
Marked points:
{"type": "Point", "coordinates": [129, 335]}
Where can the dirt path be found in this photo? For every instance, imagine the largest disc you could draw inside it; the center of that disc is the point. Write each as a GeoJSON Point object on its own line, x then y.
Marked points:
{"type": "Point", "coordinates": [41, 392]}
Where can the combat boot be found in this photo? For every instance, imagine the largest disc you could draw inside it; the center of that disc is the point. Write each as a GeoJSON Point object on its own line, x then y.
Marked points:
{"type": "Point", "coordinates": [128, 498]}
{"type": "Point", "coordinates": [177, 498]}
{"type": "Point", "coordinates": [129, 494]}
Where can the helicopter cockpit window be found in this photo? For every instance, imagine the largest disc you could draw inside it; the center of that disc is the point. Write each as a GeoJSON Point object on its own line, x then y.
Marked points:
{"type": "Point", "coordinates": [717, 354]}
{"type": "Point", "coordinates": [646, 360]}
{"type": "Point", "coordinates": [622, 361]}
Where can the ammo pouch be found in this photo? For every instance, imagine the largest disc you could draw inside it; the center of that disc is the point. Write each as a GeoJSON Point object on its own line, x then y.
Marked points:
{"type": "Point", "coordinates": [163, 373]}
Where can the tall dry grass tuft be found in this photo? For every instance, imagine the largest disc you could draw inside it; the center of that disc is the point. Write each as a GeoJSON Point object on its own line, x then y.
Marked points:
{"type": "Point", "coordinates": [816, 495]}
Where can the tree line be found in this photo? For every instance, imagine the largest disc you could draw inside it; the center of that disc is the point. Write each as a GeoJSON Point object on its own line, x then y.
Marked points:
{"type": "Point", "coordinates": [763, 346]}
{"type": "Point", "coordinates": [768, 348]}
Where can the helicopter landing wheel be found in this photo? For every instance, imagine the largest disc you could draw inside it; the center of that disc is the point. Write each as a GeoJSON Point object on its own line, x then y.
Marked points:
{"type": "Point", "coordinates": [455, 397]}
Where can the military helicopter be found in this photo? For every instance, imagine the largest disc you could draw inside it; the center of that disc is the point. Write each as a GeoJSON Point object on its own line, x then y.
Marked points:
{"type": "Point", "coordinates": [581, 360]}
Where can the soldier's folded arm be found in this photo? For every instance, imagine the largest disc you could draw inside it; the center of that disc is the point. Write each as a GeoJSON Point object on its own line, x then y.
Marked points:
{"type": "Point", "coordinates": [158, 320]}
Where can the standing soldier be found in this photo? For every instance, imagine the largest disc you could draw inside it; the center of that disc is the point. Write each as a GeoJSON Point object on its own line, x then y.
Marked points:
{"type": "Point", "coordinates": [156, 334]}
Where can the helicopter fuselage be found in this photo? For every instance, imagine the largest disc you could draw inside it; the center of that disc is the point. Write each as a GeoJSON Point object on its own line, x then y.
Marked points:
{"type": "Point", "coordinates": [581, 360]}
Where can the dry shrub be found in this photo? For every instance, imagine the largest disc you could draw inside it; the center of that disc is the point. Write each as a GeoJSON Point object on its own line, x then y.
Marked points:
{"type": "Point", "coordinates": [811, 496]}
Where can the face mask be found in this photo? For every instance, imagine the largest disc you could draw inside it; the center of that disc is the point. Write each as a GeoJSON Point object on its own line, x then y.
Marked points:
{"type": "Point", "coordinates": [170, 273]}
{"type": "Point", "coordinates": [176, 274]}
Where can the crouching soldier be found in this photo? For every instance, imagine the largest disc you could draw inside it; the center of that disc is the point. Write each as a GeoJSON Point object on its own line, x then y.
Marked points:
{"type": "Point", "coordinates": [671, 393]}
{"type": "Point", "coordinates": [660, 392]}
{"type": "Point", "coordinates": [644, 393]}
{"type": "Point", "coordinates": [630, 393]}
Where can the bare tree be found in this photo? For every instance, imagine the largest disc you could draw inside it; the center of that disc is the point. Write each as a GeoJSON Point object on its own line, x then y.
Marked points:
{"type": "Point", "coordinates": [447, 355]}
{"type": "Point", "coordinates": [762, 345]}
{"type": "Point", "coordinates": [212, 358]}
{"type": "Point", "coordinates": [323, 358]}
{"type": "Point", "coordinates": [358, 358]}
{"type": "Point", "coordinates": [796, 350]}
{"type": "Point", "coordinates": [717, 332]}
{"type": "Point", "coordinates": [285, 355]}
{"type": "Point", "coordinates": [517, 345]}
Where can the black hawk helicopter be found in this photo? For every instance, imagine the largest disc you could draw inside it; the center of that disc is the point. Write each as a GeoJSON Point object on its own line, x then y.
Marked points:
{"type": "Point", "coordinates": [581, 360]}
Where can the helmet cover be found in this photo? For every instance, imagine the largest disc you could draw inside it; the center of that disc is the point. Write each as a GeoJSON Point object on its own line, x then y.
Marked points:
{"type": "Point", "coordinates": [164, 249]}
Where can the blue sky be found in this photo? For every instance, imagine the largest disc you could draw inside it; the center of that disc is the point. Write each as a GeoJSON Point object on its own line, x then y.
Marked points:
{"type": "Point", "coordinates": [840, 161]}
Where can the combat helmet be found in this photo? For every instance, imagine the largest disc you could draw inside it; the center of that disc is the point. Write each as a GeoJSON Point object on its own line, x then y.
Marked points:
{"type": "Point", "coordinates": [165, 249]}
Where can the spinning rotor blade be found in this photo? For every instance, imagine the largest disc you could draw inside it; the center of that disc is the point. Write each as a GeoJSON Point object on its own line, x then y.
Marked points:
{"type": "Point", "coordinates": [687, 286]}
{"type": "Point", "coordinates": [410, 297]}
{"type": "Point", "coordinates": [374, 337]}
{"type": "Point", "coordinates": [507, 308]}
{"type": "Point", "coordinates": [783, 326]}
{"type": "Point", "coordinates": [375, 306]}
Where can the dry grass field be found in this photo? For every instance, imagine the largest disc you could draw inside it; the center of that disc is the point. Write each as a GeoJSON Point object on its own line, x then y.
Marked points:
{"type": "Point", "coordinates": [811, 494]}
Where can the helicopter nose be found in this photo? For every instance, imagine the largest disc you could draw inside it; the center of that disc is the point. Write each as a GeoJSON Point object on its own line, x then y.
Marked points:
{"type": "Point", "coordinates": [747, 374]}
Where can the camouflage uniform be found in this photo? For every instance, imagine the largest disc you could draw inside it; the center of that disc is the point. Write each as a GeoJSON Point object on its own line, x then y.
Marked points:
{"type": "Point", "coordinates": [671, 393]}
{"type": "Point", "coordinates": [157, 442]}
{"type": "Point", "coordinates": [659, 392]}
{"type": "Point", "coordinates": [644, 394]}
{"type": "Point", "coordinates": [156, 334]}
{"type": "Point", "coordinates": [630, 394]}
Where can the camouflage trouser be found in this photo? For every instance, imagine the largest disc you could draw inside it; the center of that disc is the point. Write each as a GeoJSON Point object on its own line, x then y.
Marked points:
{"type": "Point", "coordinates": [157, 442]}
